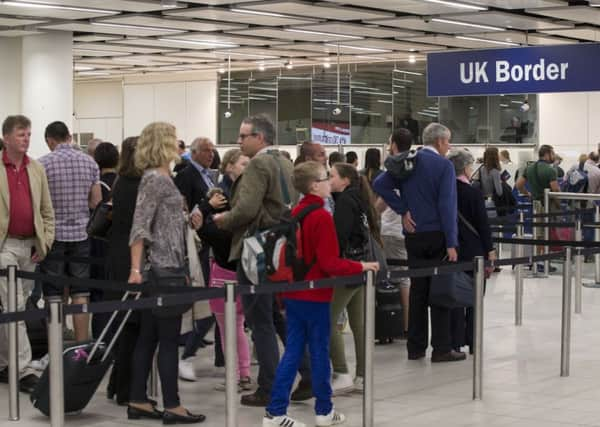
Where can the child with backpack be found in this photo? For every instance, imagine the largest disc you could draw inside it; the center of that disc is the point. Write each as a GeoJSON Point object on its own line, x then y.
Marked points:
{"type": "Point", "coordinates": [308, 312]}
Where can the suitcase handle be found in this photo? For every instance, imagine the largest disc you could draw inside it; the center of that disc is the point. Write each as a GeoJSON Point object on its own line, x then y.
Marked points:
{"type": "Point", "coordinates": [108, 325]}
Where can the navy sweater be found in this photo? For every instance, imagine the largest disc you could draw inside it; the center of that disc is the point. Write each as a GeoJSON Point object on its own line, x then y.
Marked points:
{"type": "Point", "coordinates": [429, 193]}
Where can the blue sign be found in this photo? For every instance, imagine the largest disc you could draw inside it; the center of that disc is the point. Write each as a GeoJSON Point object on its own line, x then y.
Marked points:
{"type": "Point", "coordinates": [567, 68]}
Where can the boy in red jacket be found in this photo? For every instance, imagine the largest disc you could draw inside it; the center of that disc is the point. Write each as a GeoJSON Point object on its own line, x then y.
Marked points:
{"type": "Point", "coordinates": [308, 311]}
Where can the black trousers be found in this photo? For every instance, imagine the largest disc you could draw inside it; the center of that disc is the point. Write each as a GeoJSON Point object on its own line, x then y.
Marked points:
{"type": "Point", "coordinates": [424, 250]}
{"type": "Point", "coordinates": [120, 378]}
{"type": "Point", "coordinates": [163, 332]}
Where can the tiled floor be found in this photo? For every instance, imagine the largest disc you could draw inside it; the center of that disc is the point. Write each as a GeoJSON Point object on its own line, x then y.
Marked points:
{"type": "Point", "coordinates": [522, 386]}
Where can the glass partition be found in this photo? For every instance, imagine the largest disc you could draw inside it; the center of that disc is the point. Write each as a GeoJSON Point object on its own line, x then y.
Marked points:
{"type": "Point", "coordinates": [294, 109]}
{"type": "Point", "coordinates": [330, 118]}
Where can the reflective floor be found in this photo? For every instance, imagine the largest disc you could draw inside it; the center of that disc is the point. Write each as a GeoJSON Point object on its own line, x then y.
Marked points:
{"type": "Point", "coordinates": [522, 386]}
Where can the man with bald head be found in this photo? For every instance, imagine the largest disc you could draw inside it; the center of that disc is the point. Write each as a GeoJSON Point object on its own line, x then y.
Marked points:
{"type": "Point", "coordinates": [313, 151]}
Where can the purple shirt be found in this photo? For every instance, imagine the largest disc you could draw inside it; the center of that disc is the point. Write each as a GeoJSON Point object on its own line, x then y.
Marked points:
{"type": "Point", "coordinates": [71, 175]}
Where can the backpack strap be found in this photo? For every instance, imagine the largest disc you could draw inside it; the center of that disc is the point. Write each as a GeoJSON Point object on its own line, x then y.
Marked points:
{"type": "Point", "coordinates": [304, 212]}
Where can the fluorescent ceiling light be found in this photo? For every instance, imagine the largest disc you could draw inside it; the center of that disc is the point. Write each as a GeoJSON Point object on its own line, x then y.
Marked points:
{"type": "Point", "coordinates": [200, 42]}
{"type": "Point", "coordinates": [376, 58]}
{"type": "Point", "coordinates": [105, 52]}
{"type": "Point", "coordinates": [467, 24]}
{"type": "Point", "coordinates": [412, 73]}
{"type": "Point", "coordinates": [517, 102]}
{"type": "Point", "coordinates": [402, 80]}
{"type": "Point", "coordinates": [477, 39]}
{"type": "Point", "coordinates": [258, 12]}
{"type": "Point", "coordinates": [427, 114]}
{"type": "Point", "coordinates": [457, 5]}
{"type": "Point", "coordinates": [53, 6]}
{"type": "Point", "coordinates": [368, 49]}
{"type": "Point", "coordinates": [137, 27]}
{"type": "Point", "coordinates": [383, 101]}
{"type": "Point", "coordinates": [319, 33]}
{"type": "Point", "coordinates": [249, 55]}
{"type": "Point", "coordinates": [504, 105]}
{"type": "Point", "coordinates": [82, 68]}
{"type": "Point", "coordinates": [94, 73]}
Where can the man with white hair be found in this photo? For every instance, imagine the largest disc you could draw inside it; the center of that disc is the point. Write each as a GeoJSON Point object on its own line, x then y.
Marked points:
{"type": "Point", "coordinates": [427, 202]}
{"type": "Point", "coordinates": [92, 144]}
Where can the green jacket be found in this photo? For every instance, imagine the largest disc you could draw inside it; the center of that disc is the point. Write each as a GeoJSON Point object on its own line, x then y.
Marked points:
{"type": "Point", "coordinates": [257, 199]}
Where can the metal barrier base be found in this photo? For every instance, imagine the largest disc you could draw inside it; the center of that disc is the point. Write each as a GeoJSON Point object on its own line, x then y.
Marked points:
{"type": "Point", "coordinates": [591, 285]}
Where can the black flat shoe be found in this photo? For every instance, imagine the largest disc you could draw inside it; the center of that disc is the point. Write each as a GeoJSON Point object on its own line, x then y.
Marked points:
{"type": "Point", "coordinates": [136, 414]}
{"type": "Point", "coordinates": [172, 418]}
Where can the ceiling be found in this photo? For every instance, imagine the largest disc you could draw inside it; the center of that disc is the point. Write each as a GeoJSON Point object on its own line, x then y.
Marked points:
{"type": "Point", "coordinates": [122, 37]}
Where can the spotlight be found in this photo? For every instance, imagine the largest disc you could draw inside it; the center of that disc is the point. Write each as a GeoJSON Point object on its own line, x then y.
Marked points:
{"type": "Point", "coordinates": [221, 70]}
{"type": "Point", "coordinates": [261, 67]}
{"type": "Point", "coordinates": [412, 59]}
{"type": "Point", "coordinates": [336, 111]}
{"type": "Point", "coordinates": [326, 65]}
{"type": "Point", "coordinates": [289, 65]}
{"type": "Point", "coordinates": [228, 114]}
{"type": "Point", "coordinates": [525, 106]}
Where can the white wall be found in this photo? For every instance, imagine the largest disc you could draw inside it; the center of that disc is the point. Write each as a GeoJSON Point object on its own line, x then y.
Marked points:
{"type": "Point", "coordinates": [10, 76]}
{"type": "Point", "coordinates": [113, 110]}
{"type": "Point", "coordinates": [570, 122]}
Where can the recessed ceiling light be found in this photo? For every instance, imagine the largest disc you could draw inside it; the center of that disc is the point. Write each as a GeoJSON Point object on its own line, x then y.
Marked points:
{"type": "Point", "coordinates": [477, 39]}
{"type": "Point", "coordinates": [221, 70]}
{"type": "Point", "coordinates": [467, 24]}
{"type": "Point", "coordinates": [201, 43]}
{"type": "Point", "coordinates": [457, 5]}
{"type": "Point", "coordinates": [94, 73]}
{"type": "Point", "coordinates": [367, 49]}
{"type": "Point", "coordinates": [258, 12]}
{"type": "Point", "coordinates": [326, 65]}
{"type": "Point", "coordinates": [137, 27]}
{"type": "Point", "coordinates": [261, 67]}
{"type": "Point", "coordinates": [289, 65]}
{"type": "Point", "coordinates": [412, 59]}
{"type": "Point", "coordinates": [53, 6]}
{"type": "Point", "coordinates": [319, 33]}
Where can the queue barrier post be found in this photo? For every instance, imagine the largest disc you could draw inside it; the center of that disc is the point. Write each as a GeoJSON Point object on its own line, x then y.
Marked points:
{"type": "Point", "coordinates": [368, 392]}
{"type": "Point", "coordinates": [546, 230]}
{"type": "Point", "coordinates": [230, 356]}
{"type": "Point", "coordinates": [55, 365]}
{"type": "Point", "coordinates": [597, 239]}
{"type": "Point", "coordinates": [478, 329]}
{"type": "Point", "coordinates": [519, 276]}
{"type": "Point", "coordinates": [578, 266]}
{"type": "Point", "coordinates": [13, 348]}
{"type": "Point", "coordinates": [565, 347]}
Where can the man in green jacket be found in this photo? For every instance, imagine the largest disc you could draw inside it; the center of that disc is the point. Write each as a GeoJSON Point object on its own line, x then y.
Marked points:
{"type": "Point", "coordinates": [260, 196]}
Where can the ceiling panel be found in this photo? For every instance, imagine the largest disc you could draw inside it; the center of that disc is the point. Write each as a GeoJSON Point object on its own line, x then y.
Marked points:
{"type": "Point", "coordinates": [173, 23]}
{"type": "Point", "coordinates": [245, 52]}
{"type": "Point", "coordinates": [146, 59]}
{"type": "Point", "coordinates": [9, 21]}
{"type": "Point", "coordinates": [124, 5]}
{"type": "Point", "coordinates": [507, 20]}
{"type": "Point", "coordinates": [322, 10]}
{"type": "Point", "coordinates": [18, 33]}
{"type": "Point", "coordinates": [357, 30]}
{"type": "Point", "coordinates": [586, 14]}
{"type": "Point", "coordinates": [225, 38]}
{"type": "Point", "coordinates": [451, 41]}
{"type": "Point", "coordinates": [97, 53]}
{"type": "Point", "coordinates": [241, 17]}
{"type": "Point", "coordinates": [331, 48]}
{"type": "Point", "coordinates": [85, 64]}
{"type": "Point", "coordinates": [418, 7]}
{"type": "Point", "coordinates": [188, 59]}
{"type": "Point", "coordinates": [95, 38]}
{"type": "Point", "coordinates": [53, 12]}
{"type": "Point", "coordinates": [168, 43]}
{"type": "Point", "coordinates": [433, 26]}
{"type": "Point", "coordinates": [390, 45]}
{"type": "Point", "coordinates": [524, 38]}
{"type": "Point", "coordinates": [582, 33]}
{"type": "Point", "coordinates": [291, 34]}
{"type": "Point", "coordinates": [520, 4]}
{"type": "Point", "coordinates": [108, 28]}
{"type": "Point", "coordinates": [119, 48]}
{"type": "Point", "coordinates": [218, 2]}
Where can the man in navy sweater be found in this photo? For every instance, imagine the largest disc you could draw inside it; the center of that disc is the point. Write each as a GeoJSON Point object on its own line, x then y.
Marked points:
{"type": "Point", "coordinates": [427, 202]}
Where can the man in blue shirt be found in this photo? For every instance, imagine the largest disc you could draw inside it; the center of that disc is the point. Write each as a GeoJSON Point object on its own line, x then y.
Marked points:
{"type": "Point", "coordinates": [427, 202]}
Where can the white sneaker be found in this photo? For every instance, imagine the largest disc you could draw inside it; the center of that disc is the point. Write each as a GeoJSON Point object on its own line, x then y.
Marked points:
{"type": "Point", "coordinates": [331, 419]}
{"type": "Point", "coordinates": [186, 370]}
{"type": "Point", "coordinates": [342, 383]}
{"type": "Point", "coordinates": [41, 364]}
{"type": "Point", "coordinates": [282, 421]}
{"type": "Point", "coordinates": [359, 384]}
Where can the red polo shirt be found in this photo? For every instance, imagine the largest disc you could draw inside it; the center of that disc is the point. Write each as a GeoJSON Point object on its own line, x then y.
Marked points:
{"type": "Point", "coordinates": [21, 206]}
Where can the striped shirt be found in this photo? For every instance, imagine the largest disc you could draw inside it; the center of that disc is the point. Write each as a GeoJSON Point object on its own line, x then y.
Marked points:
{"type": "Point", "coordinates": [71, 175]}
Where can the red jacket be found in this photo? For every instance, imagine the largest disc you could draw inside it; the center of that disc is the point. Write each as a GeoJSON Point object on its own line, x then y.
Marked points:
{"type": "Point", "coordinates": [320, 244]}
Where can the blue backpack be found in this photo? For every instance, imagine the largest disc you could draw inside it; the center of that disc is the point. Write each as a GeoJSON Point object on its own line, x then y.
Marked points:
{"type": "Point", "coordinates": [576, 180]}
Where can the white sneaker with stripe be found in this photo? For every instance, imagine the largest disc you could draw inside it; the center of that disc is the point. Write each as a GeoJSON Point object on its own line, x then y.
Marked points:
{"type": "Point", "coordinates": [331, 419]}
{"type": "Point", "coordinates": [281, 421]}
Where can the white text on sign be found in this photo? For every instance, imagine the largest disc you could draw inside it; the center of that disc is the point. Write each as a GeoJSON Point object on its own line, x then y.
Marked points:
{"type": "Point", "coordinates": [476, 72]}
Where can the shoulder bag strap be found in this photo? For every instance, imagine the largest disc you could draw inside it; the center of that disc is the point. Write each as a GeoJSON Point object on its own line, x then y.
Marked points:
{"type": "Point", "coordinates": [467, 224]}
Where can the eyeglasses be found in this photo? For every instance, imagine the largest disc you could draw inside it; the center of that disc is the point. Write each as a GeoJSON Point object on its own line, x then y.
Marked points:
{"type": "Point", "coordinates": [324, 179]}
{"type": "Point", "coordinates": [242, 136]}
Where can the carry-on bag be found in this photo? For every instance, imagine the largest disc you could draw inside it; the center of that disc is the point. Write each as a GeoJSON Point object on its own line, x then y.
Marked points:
{"type": "Point", "coordinates": [388, 313]}
{"type": "Point", "coordinates": [84, 367]}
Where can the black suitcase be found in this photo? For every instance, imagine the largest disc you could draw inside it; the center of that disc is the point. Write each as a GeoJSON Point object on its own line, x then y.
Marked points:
{"type": "Point", "coordinates": [37, 332]}
{"type": "Point", "coordinates": [388, 313]}
{"type": "Point", "coordinates": [84, 367]}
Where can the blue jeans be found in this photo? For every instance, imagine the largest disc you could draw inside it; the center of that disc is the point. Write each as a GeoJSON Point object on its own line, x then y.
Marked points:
{"type": "Point", "coordinates": [307, 323]}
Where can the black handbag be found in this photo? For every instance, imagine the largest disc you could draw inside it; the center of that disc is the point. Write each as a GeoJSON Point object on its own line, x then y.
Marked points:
{"type": "Point", "coordinates": [452, 290]}
{"type": "Point", "coordinates": [175, 277]}
{"type": "Point", "coordinates": [100, 222]}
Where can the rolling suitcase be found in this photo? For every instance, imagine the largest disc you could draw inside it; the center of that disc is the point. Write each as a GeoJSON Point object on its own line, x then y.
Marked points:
{"type": "Point", "coordinates": [388, 313]}
{"type": "Point", "coordinates": [37, 332]}
{"type": "Point", "coordinates": [84, 367]}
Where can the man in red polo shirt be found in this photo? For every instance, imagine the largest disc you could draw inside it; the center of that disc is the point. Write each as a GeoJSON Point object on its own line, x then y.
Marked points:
{"type": "Point", "coordinates": [26, 231]}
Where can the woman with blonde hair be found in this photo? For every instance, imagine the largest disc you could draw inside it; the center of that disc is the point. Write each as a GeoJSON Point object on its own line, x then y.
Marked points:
{"type": "Point", "coordinates": [159, 230]}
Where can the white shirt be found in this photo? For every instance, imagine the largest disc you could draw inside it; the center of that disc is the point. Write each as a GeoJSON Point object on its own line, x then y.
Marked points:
{"type": "Point", "coordinates": [431, 148]}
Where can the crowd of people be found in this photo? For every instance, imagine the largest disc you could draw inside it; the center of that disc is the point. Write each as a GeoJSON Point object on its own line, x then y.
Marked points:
{"type": "Point", "coordinates": [438, 213]}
